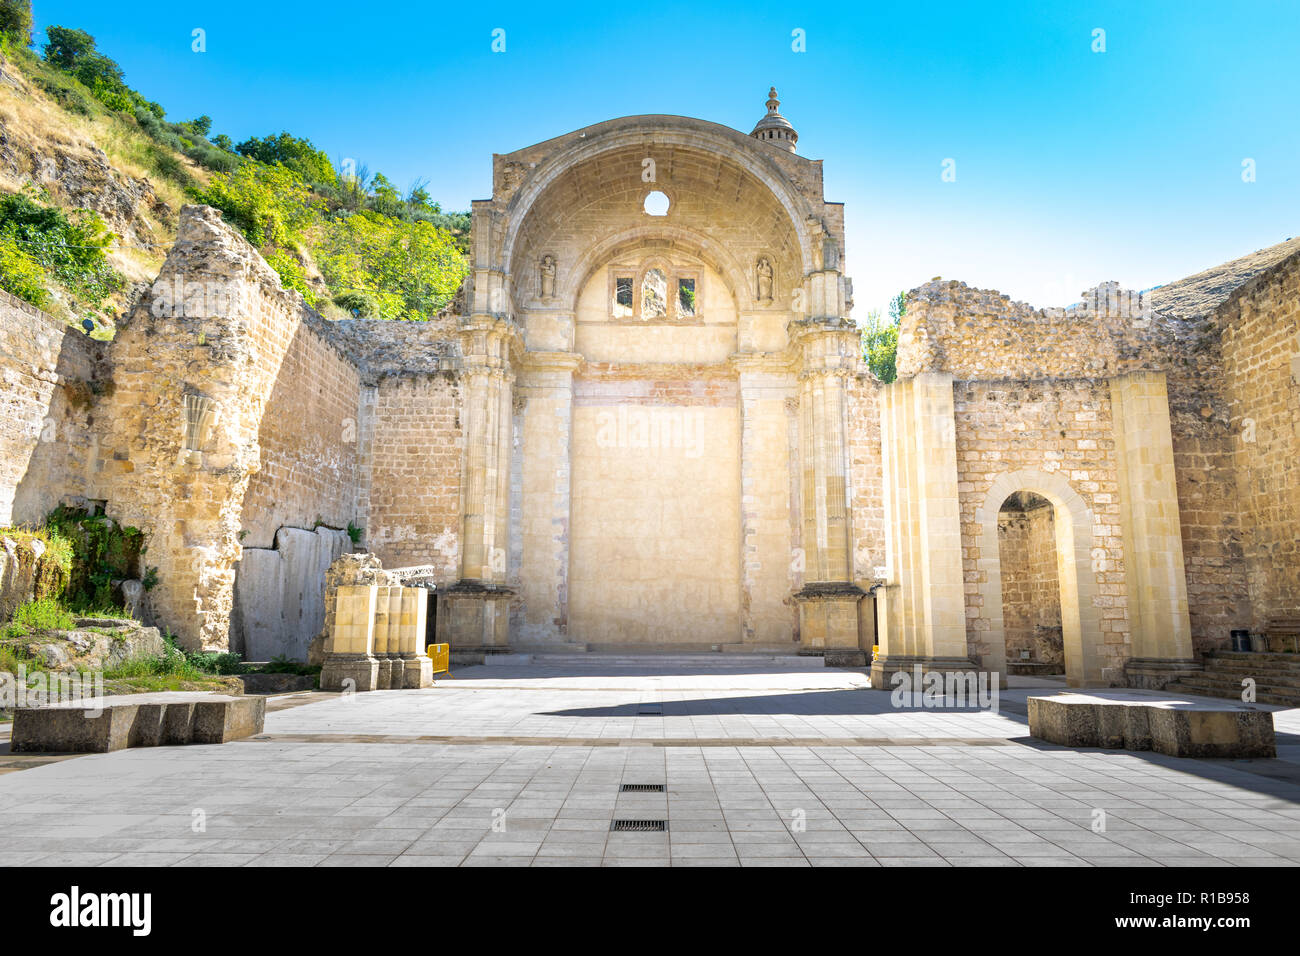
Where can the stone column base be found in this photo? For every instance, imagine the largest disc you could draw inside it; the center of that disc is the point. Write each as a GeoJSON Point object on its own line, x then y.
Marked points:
{"type": "Point", "coordinates": [1155, 673]}
{"type": "Point", "coordinates": [390, 673]}
{"type": "Point", "coordinates": [360, 671]}
{"type": "Point", "coordinates": [473, 615]}
{"type": "Point", "coordinates": [885, 667]}
{"type": "Point", "coordinates": [417, 672]}
{"type": "Point", "coordinates": [828, 622]}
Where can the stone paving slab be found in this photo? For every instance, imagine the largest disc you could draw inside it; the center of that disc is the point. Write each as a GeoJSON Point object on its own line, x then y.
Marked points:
{"type": "Point", "coordinates": [435, 804]}
{"type": "Point", "coordinates": [769, 773]}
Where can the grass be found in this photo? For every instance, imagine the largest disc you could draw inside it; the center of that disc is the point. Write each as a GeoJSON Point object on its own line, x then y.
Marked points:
{"type": "Point", "coordinates": [58, 548]}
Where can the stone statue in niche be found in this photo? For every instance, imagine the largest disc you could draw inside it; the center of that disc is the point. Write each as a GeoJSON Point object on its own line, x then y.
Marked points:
{"type": "Point", "coordinates": [548, 277]}
{"type": "Point", "coordinates": [764, 272]}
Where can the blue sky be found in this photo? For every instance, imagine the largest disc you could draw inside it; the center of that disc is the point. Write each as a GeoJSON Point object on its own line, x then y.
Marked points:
{"type": "Point", "coordinates": [1072, 166]}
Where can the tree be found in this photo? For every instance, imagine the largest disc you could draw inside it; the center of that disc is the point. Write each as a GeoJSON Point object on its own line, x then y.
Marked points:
{"type": "Point", "coordinates": [271, 204]}
{"type": "Point", "coordinates": [66, 46]}
{"type": "Point", "coordinates": [293, 153]}
{"type": "Point", "coordinates": [411, 269]}
{"type": "Point", "coordinates": [16, 20]}
{"type": "Point", "coordinates": [880, 339]}
{"type": "Point", "coordinates": [385, 199]}
{"type": "Point", "coordinates": [202, 125]}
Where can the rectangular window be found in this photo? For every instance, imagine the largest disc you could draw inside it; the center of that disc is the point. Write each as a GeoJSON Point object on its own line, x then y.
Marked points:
{"type": "Point", "coordinates": [623, 296]}
{"type": "Point", "coordinates": [686, 297]}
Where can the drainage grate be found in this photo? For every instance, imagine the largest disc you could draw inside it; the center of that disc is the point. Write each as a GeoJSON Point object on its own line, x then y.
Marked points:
{"type": "Point", "coordinates": [650, 710]}
{"type": "Point", "coordinates": [639, 826]}
{"type": "Point", "coordinates": [641, 788]}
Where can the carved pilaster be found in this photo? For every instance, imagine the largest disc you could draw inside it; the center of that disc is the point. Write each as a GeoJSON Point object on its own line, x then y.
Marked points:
{"type": "Point", "coordinates": [490, 348]}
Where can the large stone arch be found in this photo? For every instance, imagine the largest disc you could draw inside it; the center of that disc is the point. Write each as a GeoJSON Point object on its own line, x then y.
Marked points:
{"type": "Point", "coordinates": [650, 132]}
{"type": "Point", "coordinates": [1080, 616]}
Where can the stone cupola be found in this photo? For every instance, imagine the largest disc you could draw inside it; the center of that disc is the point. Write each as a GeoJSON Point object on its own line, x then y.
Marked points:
{"type": "Point", "coordinates": [775, 128]}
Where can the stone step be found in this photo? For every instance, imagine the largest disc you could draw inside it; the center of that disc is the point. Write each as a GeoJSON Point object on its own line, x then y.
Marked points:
{"type": "Point", "coordinates": [1233, 688]}
{"type": "Point", "coordinates": [1291, 661]}
{"type": "Point", "coordinates": [1232, 691]}
{"type": "Point", "coordinates": [1266, 675]}
{"type": "Point", "coordinates": [1218, 679]}
{"type": "Point", "coordinates": [714, 661]}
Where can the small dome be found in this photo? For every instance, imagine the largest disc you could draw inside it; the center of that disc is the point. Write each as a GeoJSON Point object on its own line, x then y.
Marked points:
{"type": "Point", "coordinates": [775, 128]}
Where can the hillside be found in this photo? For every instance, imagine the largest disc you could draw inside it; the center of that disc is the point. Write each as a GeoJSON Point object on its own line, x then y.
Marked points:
{"type": "Point", "coordinates": [92, 175]}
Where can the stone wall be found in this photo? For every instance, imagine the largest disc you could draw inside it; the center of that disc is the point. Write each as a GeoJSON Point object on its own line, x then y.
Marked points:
{"type": "Point", "coordinates": [279, 605]}
{"type": "Point", "coordinates": [1061, 431]}
{"type": "Point", "coordinates": [1260, 336]}
{"type": "Point", "coordinates": [866, 484]}
{"type": "Point", "coordinates": [413, 449]}
{"type": "Point", "coordinates": [981, 335]}
{"type": "Point", "coordinates": [49, 376]}
{"type": "Point", "coordinates": [308, 434]}
{"type": "Point", "coordinates": [656, 462]}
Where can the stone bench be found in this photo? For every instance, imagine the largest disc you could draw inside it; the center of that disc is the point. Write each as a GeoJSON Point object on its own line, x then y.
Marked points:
{"type": "Point", "coordinates": [1175, 728]}
{"type": "Point", "coordinates": [136, 720]}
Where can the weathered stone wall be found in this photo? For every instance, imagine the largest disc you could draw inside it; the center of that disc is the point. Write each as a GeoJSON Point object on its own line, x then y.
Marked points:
{"type": "Point", "coordinates": [982, 335]}
{"type": "Point", "coordinates": [280, 593]}
{"type": "Point", "coordinates": [49, 376]}
{"type": "Point", "coordinates": [1061, 430]}
{"type": "Point", "coordinates": [190, 352]}
{"type": "Point", "coordinates": [865, 475]}
{"type": "Point", "coordinates": [866, 482]}
{"type": "Point", "coordinates": [308, 436]}
{"type": "Point", "coordinates": [656, 531]}
{"type": "Point", "coordinates": [413, 445]}
{"type": "Point", "coordinates": [1260, 336]}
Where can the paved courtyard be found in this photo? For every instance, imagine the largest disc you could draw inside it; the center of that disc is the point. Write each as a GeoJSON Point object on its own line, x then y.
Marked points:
{"type": "Point", "coordinates": [761, 765]}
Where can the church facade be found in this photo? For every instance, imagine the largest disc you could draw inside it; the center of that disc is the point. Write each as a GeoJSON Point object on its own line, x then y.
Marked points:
{"type": "Point", "coordinates": [646, 424]}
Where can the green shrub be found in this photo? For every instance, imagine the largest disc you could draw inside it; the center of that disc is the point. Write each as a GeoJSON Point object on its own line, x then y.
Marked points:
{"type": "Point", "coordinates": [20, 274]}
{"type": "Point", "coordinates": [360, 304]}
{"type": "Point", "coordinates": [299, 155]}
{"type": "Point", "coordinates": [284, 665]}
{"type": "Point", "coordinates": [211, 662]}
{"type": "Point", "coordinates": [411, 269]}
{"type": "Point", "coordinates": [16, 20]}
{"type": "Point", "coordinates": [270, 204]}
{"type": "Point", "coordinates": [46, 614]}
{"type": "Point", "coordinates": [103, 552]}
{"type": "Point", "coordinates": [167, 164]}
{"type": "Point", "coordinates": [172, 662]}
{"type": "Point", "coordinates": [72, 251]}
{"type": "Point", "coordinates": [65, 91]}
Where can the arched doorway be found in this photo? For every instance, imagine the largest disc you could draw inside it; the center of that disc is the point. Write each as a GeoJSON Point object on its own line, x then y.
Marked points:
{"type": "Point", "coordinates": [1031, 587]}
{"type": "Point", "coordinates": [1068, 545]}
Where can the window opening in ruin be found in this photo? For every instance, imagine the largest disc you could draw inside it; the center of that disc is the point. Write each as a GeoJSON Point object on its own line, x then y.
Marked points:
{"type": "Point", "coordinates": [654, 294]}
{"type": "Point", "coordinates": [686, 297]}
{"type": "Point", "coordinates": [623, 300]}
{"type": "Point", "coordinates": [656, 204]}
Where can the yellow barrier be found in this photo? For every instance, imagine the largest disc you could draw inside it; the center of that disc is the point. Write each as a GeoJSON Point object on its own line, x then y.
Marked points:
{"type": "Point", "coordinates": [440, 654]}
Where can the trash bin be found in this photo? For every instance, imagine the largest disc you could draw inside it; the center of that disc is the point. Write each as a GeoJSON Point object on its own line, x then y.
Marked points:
{"type": "Point", "coordinates": [1241, 640]}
